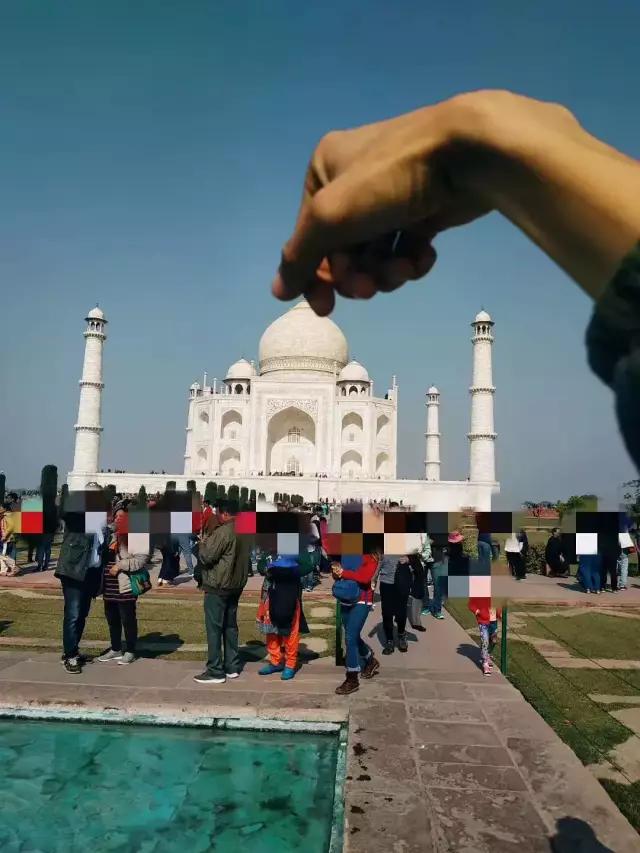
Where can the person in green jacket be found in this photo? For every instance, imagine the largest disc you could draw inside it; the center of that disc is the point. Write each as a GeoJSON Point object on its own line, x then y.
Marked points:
{"type": "Point", "coordinates": [222, 572]}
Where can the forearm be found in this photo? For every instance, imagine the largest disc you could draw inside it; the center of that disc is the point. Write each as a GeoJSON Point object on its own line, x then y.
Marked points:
{"type": "Point", "coordinates": [577, 198]}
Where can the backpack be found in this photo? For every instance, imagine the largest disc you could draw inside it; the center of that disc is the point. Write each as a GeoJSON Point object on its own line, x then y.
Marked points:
{"type": "Point", "coordinates": [346, 592]}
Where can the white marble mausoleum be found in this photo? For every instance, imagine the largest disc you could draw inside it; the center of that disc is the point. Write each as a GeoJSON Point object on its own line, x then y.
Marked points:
{"type": "Point", "coordinates": [304, 419]}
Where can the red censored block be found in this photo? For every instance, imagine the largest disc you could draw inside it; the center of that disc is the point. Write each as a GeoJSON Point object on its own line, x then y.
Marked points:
{"type": "Point", "coordinates": [246, 522]}
{"type": "Point", "coordinates": [31, 522]}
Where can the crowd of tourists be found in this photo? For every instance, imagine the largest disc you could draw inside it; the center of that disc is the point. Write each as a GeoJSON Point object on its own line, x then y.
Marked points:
{"type": "Point", "coordinates": [221, 560]}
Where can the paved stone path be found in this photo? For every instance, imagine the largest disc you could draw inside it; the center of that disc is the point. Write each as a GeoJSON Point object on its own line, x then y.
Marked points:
{"type": "Point", "coordinates": [441, 758]}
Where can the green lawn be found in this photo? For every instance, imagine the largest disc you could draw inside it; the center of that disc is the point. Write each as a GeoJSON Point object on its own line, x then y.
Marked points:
{"type": "Point", "coordinates": [172, 623]}
{"type": "Point", "coordinates": [590, 635]}
{"type": "Point", "coordinates": [561, 696]}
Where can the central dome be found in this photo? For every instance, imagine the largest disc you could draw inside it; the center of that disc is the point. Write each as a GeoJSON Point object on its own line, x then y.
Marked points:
{"type": "Point", "coordinates": [300, 340]}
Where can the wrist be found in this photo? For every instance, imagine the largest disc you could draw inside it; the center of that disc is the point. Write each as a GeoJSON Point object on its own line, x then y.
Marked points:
{"type": "Point", "coordinates": [495, 140]}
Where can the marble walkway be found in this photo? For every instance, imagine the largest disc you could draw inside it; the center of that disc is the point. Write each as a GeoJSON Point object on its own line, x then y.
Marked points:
{"type": "Point", "coordinates": [440, 758]}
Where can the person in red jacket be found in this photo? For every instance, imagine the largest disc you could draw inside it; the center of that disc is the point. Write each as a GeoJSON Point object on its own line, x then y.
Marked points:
{"type": "Point", "coordinates": [354, 617]}
{"type": "Point", "coordinates": [487, 618]}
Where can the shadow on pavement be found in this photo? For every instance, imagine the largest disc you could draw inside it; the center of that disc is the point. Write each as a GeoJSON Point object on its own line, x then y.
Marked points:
{"type": "Point", "coordinates": [470, 651]}
{"type": "Point", "coordinates": [575, 836]}
{"type": "Point", "coordinates": [170, 643]}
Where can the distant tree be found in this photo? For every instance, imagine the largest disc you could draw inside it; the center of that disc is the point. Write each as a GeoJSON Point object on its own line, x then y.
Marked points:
{"type": "Point", "coordinates": [631, 498]}
{"type": "Point", "coordinates": [286, 498]}
{"type": "Point", "coordinates": [210, 492]}
{"type": "Point", "coordinates": [221, 491]}
{"type": "Point", "coordinates": [171, 486]}
{"type": "Point", "coordinates": [110, 492]}
{"type": "Point", "coordinates": [276, 497]}
{"type": "Point", "coordinates": [252, 498]}
{"type": "Point", "coordinates": [142, 497]}
{"type": "Point", "coordinates": [244, 495]}
{"type": "Point", "coordinates": [191, 485]}
{"type": "Point", "coordinates": [262, 496]}
{"type": "Point", "coordinates": [577, 503]}
{"type": "Point", "coordinates": [234, 493]}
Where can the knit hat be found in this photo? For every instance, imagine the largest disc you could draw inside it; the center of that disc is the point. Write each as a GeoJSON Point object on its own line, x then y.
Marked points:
{"type": "Point", "coordinates": [455, 537]}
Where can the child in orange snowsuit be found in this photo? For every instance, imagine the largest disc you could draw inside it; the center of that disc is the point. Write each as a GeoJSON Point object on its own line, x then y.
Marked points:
{"type": "Point", "coordinates": [280, 614]}
{"type": "Point", "coordinates": [487, 619]}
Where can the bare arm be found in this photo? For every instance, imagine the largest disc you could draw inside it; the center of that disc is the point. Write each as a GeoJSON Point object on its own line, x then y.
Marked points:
{"type": "Point", "coordinates": [442, 166]}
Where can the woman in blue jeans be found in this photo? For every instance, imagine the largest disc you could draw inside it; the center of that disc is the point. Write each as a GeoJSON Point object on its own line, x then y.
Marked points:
{"type": "Point", "coordinates": [359, 658]}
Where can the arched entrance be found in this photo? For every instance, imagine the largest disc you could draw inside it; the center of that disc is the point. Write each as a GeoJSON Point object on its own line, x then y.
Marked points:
{"type": "Point", "coordinates": [351, 465]}
{"type": "Point", "coordinates": [291, 443]}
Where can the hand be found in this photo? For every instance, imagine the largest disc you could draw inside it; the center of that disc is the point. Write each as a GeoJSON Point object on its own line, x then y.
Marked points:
{"type": "Point", "coordinates": [362, 187]}
{"type": "Point", "coordinates": [375, 197]}
{"type": "Point", "coordinates": [114, 570]}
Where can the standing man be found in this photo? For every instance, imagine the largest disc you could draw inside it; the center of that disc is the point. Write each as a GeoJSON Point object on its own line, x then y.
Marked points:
{"type": "Point", "coordinates": [83, 556]}
{"type": "Point", "coordinates": [222, 571]}
{"type": "Point", "coordinates": [555, 557]}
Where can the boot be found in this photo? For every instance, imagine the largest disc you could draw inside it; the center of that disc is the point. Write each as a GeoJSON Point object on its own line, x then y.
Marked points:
{"type": "Point", "coordinates": [349, 685]}
{"type": "Point", "coordinates": [371, 668]}
{"type": "Point", "coordinates": [403, 646]}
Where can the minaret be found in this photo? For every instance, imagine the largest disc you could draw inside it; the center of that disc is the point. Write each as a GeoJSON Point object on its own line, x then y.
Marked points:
{"type": "Point", "coordinates": [88, 427]}
{"type": "Point", "coordinates": [482, 463]}
{"type": "Point", "coordinates": [432, 436]}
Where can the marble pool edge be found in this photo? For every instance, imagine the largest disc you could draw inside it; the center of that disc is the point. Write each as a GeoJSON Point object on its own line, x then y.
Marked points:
{"type": "Point", "coordinates": [257, 724]}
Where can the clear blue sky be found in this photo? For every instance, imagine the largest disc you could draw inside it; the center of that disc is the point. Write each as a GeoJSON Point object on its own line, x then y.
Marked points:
{"type": "Point", "coordinates": [151, 157]}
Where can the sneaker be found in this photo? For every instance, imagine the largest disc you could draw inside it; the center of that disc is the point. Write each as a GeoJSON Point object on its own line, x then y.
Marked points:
{"type": "Point", "coordinates": [271, 668]}
{"type": "Point", "coordinates": [288, 673]}
{"type": "Point", "coordinates": [418, 628]}
{"type": "Point", "coordinates": [233, 675]}
{"type": "Point", "coordinates": [426, 611]}
{"type": "Point", "coordinates": [486, 668]}
{"type": "Point", "coordinates": [82, 659]}
{"type": "Point", "coordinates": [620, 588]}
{"type": "Point", "coordinates": [110, 655]}
{"type": "Point", "coordinates": [72, 665]}
{"type": "Point", "coordinates": [371, 668]}
{"type": "Point", "coordinates": [403, 646]}
{"type": "Point", "coordinates": [588, 592]}
{"type": "Point", "coordinates": [205, 678]}
{"type": "Point", "coordinates": [389, 649]}
{"type": "Point", "coordinates": [127, 658]}
{"type": "Point", "coordinates": [439, 615]}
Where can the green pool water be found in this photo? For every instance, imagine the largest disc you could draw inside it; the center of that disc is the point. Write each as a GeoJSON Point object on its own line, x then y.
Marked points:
{"type": "Point", "coordinates": [96, 787]}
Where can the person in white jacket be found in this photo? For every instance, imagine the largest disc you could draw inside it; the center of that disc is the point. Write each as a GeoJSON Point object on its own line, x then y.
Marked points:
{"type": "Point", "coordinates": [513, 550]}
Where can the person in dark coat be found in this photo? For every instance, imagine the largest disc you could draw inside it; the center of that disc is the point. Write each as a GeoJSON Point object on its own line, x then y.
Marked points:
{"type": "Point", "coordinates": [522, 537]}
{"type": "Point", "coordinates": [416, 591]}
{"type": "Point", "coordinates": [555, 557]}
{"type": "Point", "coordinates": [83, 556]}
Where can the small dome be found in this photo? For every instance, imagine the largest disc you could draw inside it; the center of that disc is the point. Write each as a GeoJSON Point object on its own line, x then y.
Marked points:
{"type": "Point", "coordinates": [483, 317]}
{"type": "Point", "coordinates": [95, 314]}
{"type": "Point", "coordinates": [195, 386]}
{"type": "Point", "coordinates": [353, 372]}
{"type": "Point", "coordinates": [241, 369]}
{"type": "Point", "coordinates": [300, 340]}
{"type": "Point", "coordinates": [433, 390]}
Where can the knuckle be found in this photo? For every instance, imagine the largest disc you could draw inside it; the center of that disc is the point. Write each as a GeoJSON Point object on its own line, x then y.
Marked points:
{"type": "Point", "coordinates": [326, 214]}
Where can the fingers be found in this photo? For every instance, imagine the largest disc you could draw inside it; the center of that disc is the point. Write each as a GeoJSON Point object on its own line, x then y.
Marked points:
{"type": "Point", "coordinates": [343, 213]}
